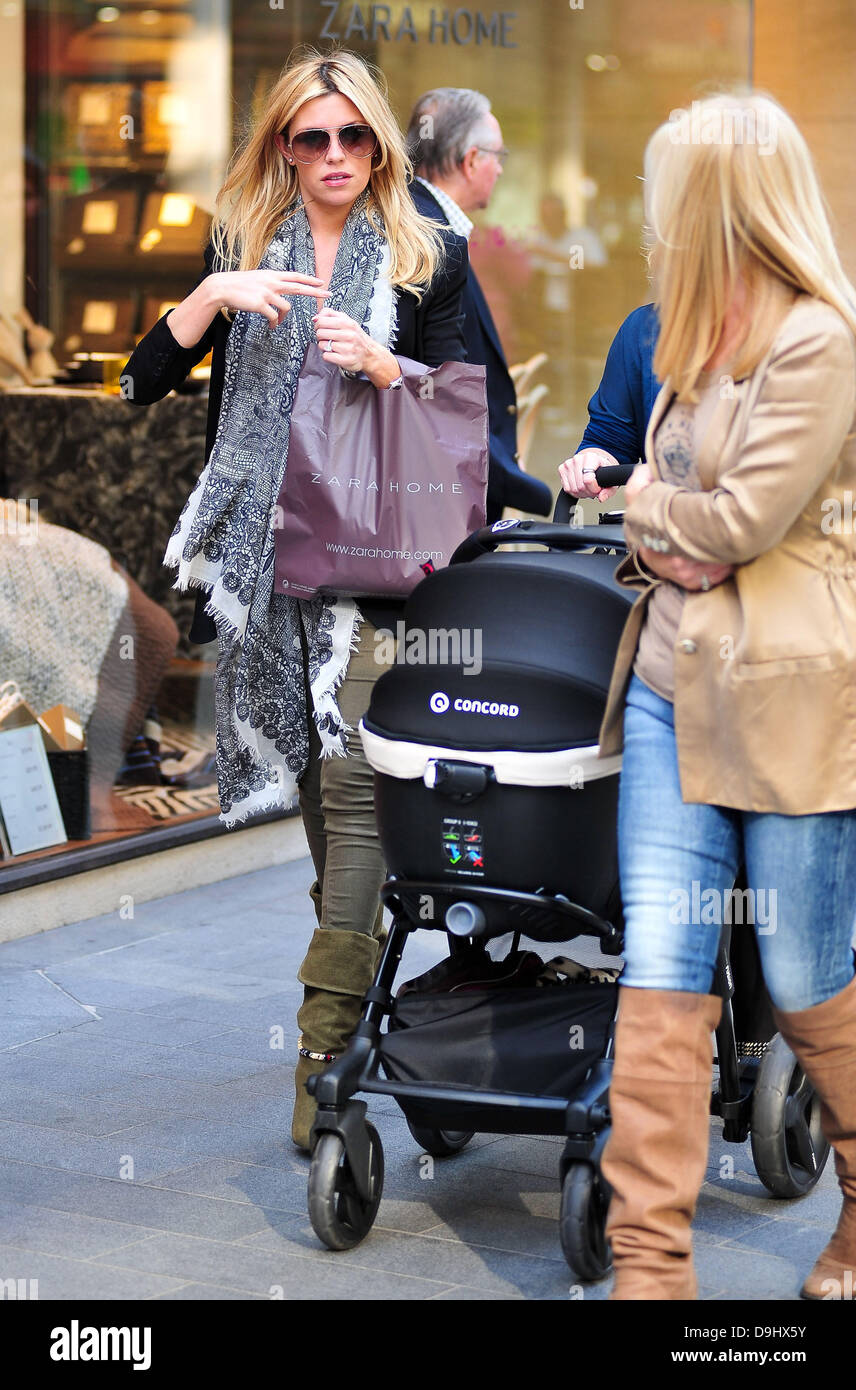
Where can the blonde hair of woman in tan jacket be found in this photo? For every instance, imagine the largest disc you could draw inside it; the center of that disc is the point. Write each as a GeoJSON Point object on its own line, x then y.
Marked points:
{"type": "Point", "coordinates": [734, 692]}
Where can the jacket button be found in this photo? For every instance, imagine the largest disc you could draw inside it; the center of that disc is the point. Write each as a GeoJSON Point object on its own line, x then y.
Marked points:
{"type": "Point", "coordinates": [687, 645]}
{"type": "Point", "coordinates": [512, 409]}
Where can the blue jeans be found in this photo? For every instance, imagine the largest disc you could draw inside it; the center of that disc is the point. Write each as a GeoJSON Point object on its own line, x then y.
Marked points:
{"type": "Point", "coordinates": [678, 861]}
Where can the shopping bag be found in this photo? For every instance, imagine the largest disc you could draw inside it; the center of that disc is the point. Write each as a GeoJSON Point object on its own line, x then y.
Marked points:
{"type": "Point", "coordinates": [380, 486]}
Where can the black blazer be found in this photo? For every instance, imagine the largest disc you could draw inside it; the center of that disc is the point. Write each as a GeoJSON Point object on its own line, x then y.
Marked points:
{"type": "Point", "coordinates": [429, 331]}
{"type": "Point", "coordinates": [508, 486]}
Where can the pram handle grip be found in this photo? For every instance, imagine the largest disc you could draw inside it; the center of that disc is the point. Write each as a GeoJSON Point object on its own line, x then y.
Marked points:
{"type": "Point", "coordinates": [514, 532]}
{"type": "Point", "coordinates": [611, 475]}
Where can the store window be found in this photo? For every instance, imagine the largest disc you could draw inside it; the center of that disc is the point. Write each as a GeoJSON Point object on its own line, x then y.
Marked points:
{"type": "Point", "coordinates": [125, 120]}
{"type": "Point", "coordinates": [119, 122]}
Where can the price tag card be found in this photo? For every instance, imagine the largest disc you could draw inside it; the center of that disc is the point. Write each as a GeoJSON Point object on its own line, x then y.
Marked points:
{"type": "Point", "coordinates": [28, 801]}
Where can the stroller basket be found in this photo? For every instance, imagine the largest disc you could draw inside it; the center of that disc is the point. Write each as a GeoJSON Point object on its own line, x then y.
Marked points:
{"type": "Point", "coordinates": [527, 1040]}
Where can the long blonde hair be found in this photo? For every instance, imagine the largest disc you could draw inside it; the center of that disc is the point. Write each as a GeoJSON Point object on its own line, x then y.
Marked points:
{"type": "Point", "coordinates": [261, 187]}
{"type": "Point", "coordinates": [732, 195]}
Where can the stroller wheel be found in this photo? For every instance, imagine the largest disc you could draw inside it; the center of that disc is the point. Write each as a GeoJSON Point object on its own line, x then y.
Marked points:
{"type": "Point", "coordinates": [788, 1146]}
{"type": "Point", "coordinates": [340, 1217]}
{"type": "Point", "coordinates": [440, 1143]}
{"type": "Point", "coordinates": [582, 1223]}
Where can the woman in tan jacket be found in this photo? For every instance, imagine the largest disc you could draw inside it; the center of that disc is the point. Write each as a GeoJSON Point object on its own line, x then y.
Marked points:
{"type": "Point", "coordinates": [734, 692]}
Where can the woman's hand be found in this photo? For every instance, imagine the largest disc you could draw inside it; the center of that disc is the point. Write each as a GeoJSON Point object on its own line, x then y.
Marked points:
{"type": "Point", "coordinates": [687, 574]}
{"type": "Point", "coordinates": [640, 478]}
{"type": "Point", "coordinates": [344, 344]}
{"type": "Point", "coordinates": [264, 291]}
{"type": "Point", "coordinates": [577, 474]}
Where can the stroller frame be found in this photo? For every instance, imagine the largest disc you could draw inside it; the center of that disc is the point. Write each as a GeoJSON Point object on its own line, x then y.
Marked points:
{"type": "Point", "coordinates": [763, 1097]}
{"type": "Point", "coordinates": [584, 1118]}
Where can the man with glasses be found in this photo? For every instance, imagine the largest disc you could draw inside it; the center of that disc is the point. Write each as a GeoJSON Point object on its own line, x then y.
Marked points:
{"type": "Point", "coordinates": [455, 143]}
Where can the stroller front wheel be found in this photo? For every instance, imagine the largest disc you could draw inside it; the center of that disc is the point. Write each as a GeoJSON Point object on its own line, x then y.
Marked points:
{"type": "Point", "coordinates": [788, 1146]}
{"type": "Point", "coordinates": [340, 1216]}
{"type": "Point", "coordinates": [582, 1223]}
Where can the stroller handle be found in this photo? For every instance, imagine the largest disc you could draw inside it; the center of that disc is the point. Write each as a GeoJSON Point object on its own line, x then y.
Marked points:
{"type": "Point", "coordinates": [514, 532]}
{"type": "Point", "coordinates": [611, 475]}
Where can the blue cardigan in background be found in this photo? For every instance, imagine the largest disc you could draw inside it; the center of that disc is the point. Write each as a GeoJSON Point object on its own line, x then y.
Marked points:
{"type": "Point", "coordinates": [621, 406]}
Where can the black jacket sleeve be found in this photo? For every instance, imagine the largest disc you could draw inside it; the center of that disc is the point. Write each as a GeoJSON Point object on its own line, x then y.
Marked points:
{"type": "Point", "coordinates": [159, 363]}
{"type": "Point", "coordinates": [442, 335]}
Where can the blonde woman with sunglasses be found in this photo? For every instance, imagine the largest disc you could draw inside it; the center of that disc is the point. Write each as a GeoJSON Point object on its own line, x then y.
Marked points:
{"type": "Point", "coordinates": [316, 247]}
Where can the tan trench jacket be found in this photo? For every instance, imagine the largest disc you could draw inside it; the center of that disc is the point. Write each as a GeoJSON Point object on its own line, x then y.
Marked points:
{"type": "Point", "coordinates": [765, 663]}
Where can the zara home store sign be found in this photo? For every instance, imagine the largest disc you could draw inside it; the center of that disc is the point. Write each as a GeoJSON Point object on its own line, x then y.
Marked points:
{"type": "Point", "coordinates": [340, 19]}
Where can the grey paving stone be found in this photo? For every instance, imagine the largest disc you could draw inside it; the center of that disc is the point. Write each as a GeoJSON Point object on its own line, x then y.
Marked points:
{"type": "Point", "coordinates": [63, 1233]}
{"type": "Point", "coordinates": [131, 1026]}
{"type": "Point", "coordinates": [239, 1097]}
{"type": "Point", "coordinates": [156, 1207]}
{"type": "Point", "coordinates": [525, 1154]}
{"type": "Point", "coordinates": [31, 1007]}
{"type": "Point", "coordinates": [748, 1273]}
{"type": "Point", "coordinates": [503, 1230]}
{"type": "Point", "coordinates": [195, 1060]}
{"type": "Point", "coordinates": [197, 1293]}
{"type": "Point", "coordinates": [226, 1180]}
{"type": "Point", "coordinates": [447, 1261]}
{"type": "Point", "coordinates": [281, 1005]}
{"type": "Point", "coordinates": [64, 1279]}
{"type": "Point", "coordinates": [193, 1136]}
{"type": "Point", "coordinates": [464, 1295]}
{"type": "Point", "coordinates": [82, 1154]}
{"type": "Point", "coordinates": [260, 1271]}
{"type": "Point", "coordinates": [257, 1042]}
{"type": "Point", "coordinates": [76, 1076]}
{"type": "Point", "coordinates": [73, 942]}
{"type": "Point", "coordinates": [122, 973]}
{"type": "Point", "coordinates": [92, 987]}
{"type": "Point", "coordinates": [93, 1115]}
{"type": "Point", "coordinates": [717, 1214]}
{"type": "Point", "coordinates": [784, 1238]}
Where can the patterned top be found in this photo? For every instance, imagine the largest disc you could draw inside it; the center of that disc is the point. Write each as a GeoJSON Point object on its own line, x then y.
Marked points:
{"type": "Point", "coordinates": [676, 447]}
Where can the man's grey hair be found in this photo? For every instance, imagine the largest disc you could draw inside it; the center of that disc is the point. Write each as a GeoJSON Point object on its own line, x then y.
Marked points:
{"type": "Point", "coordinates": [445, 123]}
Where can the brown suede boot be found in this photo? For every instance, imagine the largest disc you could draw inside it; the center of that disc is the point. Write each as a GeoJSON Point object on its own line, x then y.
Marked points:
{"type": "Point", "coordinates": [336, 972]}
{"type": "Point", "coordinates": [823, 1039]}
{"type": "Point", "coordinates": [656, 1154]}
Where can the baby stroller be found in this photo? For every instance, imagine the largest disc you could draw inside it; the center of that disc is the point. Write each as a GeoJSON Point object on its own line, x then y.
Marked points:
{"type": "Point", "coordinates": [497, 817]}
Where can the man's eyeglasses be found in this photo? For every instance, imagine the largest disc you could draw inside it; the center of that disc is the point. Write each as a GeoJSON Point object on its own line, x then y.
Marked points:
{"type": "Point", "coordinates": [501, 154]}
{"type": "Point", "coordinates": [308, 146]}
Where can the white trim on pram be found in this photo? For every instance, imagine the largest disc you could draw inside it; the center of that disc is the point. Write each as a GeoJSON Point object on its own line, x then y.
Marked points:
{"type": "Point", "coordinates": [563, 767]}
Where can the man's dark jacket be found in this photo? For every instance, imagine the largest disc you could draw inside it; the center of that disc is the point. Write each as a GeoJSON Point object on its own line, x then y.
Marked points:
{"type": "Point", "coordinates": [508, 485]}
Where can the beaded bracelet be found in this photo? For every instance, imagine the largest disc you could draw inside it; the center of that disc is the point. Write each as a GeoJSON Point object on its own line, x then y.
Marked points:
{"type": "Point", "coordinates": [316, 1056]}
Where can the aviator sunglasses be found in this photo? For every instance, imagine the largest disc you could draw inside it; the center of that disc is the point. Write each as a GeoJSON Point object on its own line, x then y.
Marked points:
{"type": "Point", "coordinates": [308, 146]}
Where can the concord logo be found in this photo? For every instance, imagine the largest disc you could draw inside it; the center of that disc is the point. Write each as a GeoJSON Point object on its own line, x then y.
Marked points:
{"type": "Point", "coordinates": [487, 707]}
{"type": "Point", "coordinates": [440, 702]}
